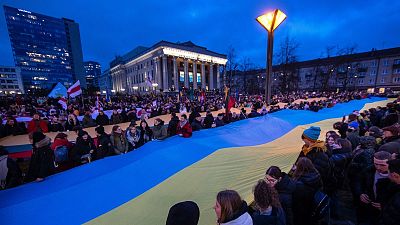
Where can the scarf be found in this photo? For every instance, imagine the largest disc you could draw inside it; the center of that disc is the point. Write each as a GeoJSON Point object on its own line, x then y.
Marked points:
{"type": "Point", "coordinates": [319, 145]}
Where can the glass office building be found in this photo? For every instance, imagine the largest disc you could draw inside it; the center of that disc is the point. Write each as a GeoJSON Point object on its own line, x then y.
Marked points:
{"type": "Point", "coordinates": [42, 49]}
{"type": "Point", "coordinates": [93, 72]}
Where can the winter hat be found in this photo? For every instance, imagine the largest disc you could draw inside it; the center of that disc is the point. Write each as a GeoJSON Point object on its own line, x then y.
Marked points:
{"type": "Point", "coordinates": [393, 129]}
{"type": "Point", "coordinates": [312, 133]}
{"type": "Point", "coordinates": [391, 147]}
{"type": "Point", "coordinates": [183, 213]}
{"type": "Point", "coordinates": [353, 125]}
{"type": "Point", "coordinates": [375, 132]}
{"type": "Point", "coordinates": [100, 129]}
{"type": "Point", "coordinates": [367, 141]}
{"type": "Point", "coordinates": [38, 136]}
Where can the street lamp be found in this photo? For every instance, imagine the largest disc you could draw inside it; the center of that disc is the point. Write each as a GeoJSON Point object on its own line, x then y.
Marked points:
{"type": "Point", "coordinates": [270, 21]}
{"type": "Point", "coordinates": [155, 85]}
{"type": "Point", "coordinates": [135, 88]}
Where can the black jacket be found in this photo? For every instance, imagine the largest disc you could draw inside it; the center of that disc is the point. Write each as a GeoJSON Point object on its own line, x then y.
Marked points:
{"type": "Point", "coordinates": [208, 121]}
{"type": "Point", "coordinates": [172, 125]}
{"type": "Point", "coordinates": [104, 147]}
{"type": "Point", "coordinates": [340, 159]}
{"type": "Point", "coordinates": [17, 129]}
{"type": "Point", "coordinates": [42, 160]}
{"type": "Point", "coordinates": [196, 125]}
{"type": "Point", "coordinates": [303, 198]}
{"type": "Point", "coordinates": [81, 148]}
{"type": "Point", "coordinates": [365, 184]}
{"type": "Point", "coordinates": [277, 217]}
{"type": "Point", "coordinates": [322, 163]}
{"type": "Point", "coordinates": [14, 175]}
{"type": "Point", "coordinates": [219, 123]}
{"type": "Point", "coordinates": [285, 189]}
{"type": "Point", "coordinates": [102, 120]}
{"type": "Point", "coordinates": [390, 213]}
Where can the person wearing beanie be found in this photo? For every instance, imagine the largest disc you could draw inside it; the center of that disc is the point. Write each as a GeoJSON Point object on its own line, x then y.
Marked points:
{"type": "Point", "coordinates": [353, 134]}
{"type": "Point", "coordinates": [42, 159]}
{"type": "Point", "coordinates": [159, 130]}
{"type": "Point", "coordinates": [390, 213]}
{"type": "Point", "coordinates": [183, 213]}
{"type": "Point", "coordinates": [196, 124]}
{"type": "Point", "coordinates": [315, 150]}
{"type": "Point", "coordinates": [104, 146]}
{"type": "Point", "coordinates": [391, 134]}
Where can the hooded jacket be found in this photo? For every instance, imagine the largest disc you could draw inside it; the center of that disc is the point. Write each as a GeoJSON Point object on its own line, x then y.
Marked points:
{"type": "Point", "coordinates": [42, 160]}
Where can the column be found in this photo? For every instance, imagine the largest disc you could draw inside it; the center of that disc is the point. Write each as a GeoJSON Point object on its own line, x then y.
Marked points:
{"type": "Point", "coordinates": [165, 74]}
{"type": "Point", "coordinates": [186, 73]}
{"type": "Point", "coordinates": [203, 76]}
{"type": "Point", "coordinates": [224, 77]}
{"type": "Point", "coordinates": [211, 76]}
{"type": "Point", "coordinates": [157, 77]}
{"type": "Point", "coordinates": [176, 77]}
{"type": "Point", "coordinates": [194, 75]}
{"type": "Point", "coordinates": [218, 77]}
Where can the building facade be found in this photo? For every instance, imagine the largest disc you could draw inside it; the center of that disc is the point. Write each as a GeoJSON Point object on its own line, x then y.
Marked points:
{"type": "Point", "coordinates": [10, 80]}
{"type": "Point", "coordinates": [92, 73]}
{"type": "Point", "coordinates": [105, 82]}
{"type": "Point", "coordinates": [167, 66]}
{"type": "Point", "coordinates": [47, 49]}
{"type": "Point", "coordinates": [376, 70]}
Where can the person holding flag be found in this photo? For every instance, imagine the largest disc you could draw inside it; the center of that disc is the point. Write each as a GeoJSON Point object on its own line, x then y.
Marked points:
{"type": "Point", "coordinates": [229, 102]}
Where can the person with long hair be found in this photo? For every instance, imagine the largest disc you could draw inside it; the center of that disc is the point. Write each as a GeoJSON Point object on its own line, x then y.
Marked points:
{"type": "Point", "coordinates": [133, 137]}
{"type": "Point", "coordinates": [308, 182]}
{"type": "Point", "coordinates": [146, 134]}
{"type": "Point", "coordinates": [285, 188]}
{"type": "Point", "coordinates": [230, 209]}
{"type": "Point", "coordinates": [269, 210]}
{"type": "Point", "coordinates": [118, 140]}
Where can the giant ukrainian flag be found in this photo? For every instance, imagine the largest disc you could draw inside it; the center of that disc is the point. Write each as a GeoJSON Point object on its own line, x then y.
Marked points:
{"type": "Point", "coordinates": [138, 188]}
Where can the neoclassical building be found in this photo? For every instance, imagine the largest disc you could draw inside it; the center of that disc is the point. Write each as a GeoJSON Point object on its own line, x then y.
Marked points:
{"type": "Point", "coordinates": [166, 66]}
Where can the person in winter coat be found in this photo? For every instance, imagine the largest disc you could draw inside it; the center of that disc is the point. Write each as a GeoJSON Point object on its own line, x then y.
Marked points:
{"type": "Point", "coordinates": [133, 137]}
{"type": "Point", "coordinates": [102, 119]}
{"type": "Point", "coordinates": [55, 125]}
{"type": "Point", "coordinates": [159, 130]}
{"type": "Point", "coordinates": [219, 121]}
{"type": "Point", "coordinates": [208, 120]}
{"type": "Point", "coordinates": [42, 159]}
{"type": "Point", "coordinates": [341, 157]}
{"type": "Point", "coordinates": [13, 128]}
{"type": "Point", "coordinates": [37, 125]}
{"type": "Point", "coordinates": [84, 149]}
{"type": "Point", "coordinates": [285, 188]}
{"type": "Point", "coordinates": [116, 118]}
{"type": "Point", "coordinates": [371, 189]}
{"type": "Point", "coordinates": [10, 173]}
{"type": "Point", "coordinates": [184, 129]}
{"type": "Point", "coordinates": [230, 209]}
{"type": "Point", "coordinates": [308, 182]}
{"type": "Point", "coordinates": [353, 134]}
{"type": "Point", "coordinates": [390, 213]}
{"type": "Point", "coordinates": [146, 134]}
{"type": "Point", "coordinates": [173, 124]}
{"type": "Point", "coordinates": [183, 213]}
{"type": "Point", "coordinates": [118, 141]}
{"type": "Point", "coordinates": [269, 210]}
{"type": "Point", "coordinates": [391, 134]}
{"type": "Point", "coordinates": [104, 146]}
{"type": "Point", "coordinates": [72, 122]}
{"type": "Point", "coordinates": [315, 150]}
{"type": "Point", "coordinates": [196, 124]}
{"type": "Point", "coordinates": [87, 120]}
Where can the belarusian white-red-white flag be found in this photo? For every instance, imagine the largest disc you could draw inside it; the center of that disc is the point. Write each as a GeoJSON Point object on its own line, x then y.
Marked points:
{"type": "Point", "coordinates": [75, 90]}
{"type": "Point", "coordinates": [63, 102]}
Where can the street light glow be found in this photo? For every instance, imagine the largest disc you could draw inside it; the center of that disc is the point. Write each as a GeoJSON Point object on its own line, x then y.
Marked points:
{"type": "Point", "coordinates": [271, 20]}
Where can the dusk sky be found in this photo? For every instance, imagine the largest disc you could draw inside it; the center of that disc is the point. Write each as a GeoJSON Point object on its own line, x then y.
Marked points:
{"type": "Point", "coordinates": [110, 28]}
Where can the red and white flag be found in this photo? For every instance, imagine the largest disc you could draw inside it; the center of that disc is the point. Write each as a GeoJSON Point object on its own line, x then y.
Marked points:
{"type": "Point", "coordinates": [75, 90]}
{"type": "Point", "coordinates": [63, 102]}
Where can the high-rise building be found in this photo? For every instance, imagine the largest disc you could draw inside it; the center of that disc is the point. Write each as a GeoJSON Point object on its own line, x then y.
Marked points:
{"type": "Point", "coordinates": [105, 82]}
{"type": "Point", "coordinates": [47, 49]}
{"type": "Point", "coordinates": [10, 80]}
{"type": "Point", "coordinates": [93, 72]}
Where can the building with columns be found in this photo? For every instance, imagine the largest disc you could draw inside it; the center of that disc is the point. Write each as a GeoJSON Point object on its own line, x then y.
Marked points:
{"type": "Point", "coordinates": [167, 66]}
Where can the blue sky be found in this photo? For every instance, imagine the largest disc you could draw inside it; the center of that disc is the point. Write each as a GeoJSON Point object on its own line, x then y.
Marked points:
{"type": "Point", "coordinates": [110, 28]}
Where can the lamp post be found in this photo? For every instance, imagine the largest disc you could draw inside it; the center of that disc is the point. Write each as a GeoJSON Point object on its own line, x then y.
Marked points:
{"type": "Point", "coordinates": [155, 85]}
{"type": "Point", "coordinates": [135, 88]}
{"type": "Point", "coordinates": [270, 21]}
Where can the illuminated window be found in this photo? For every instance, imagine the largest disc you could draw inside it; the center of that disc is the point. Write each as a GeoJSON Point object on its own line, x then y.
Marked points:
{"type": "Point", "coordinates": [198, 77]}
{"type": "Point", "coordinates": [190, 77]}
{"type": "Point", "coordinates": [181, 76]}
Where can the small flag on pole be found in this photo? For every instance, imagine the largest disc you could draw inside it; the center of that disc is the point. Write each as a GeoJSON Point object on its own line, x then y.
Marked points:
{"type": "Point", "coordinates": [75, 90]}
{"type": "Point", "coordinates": [63, 102]}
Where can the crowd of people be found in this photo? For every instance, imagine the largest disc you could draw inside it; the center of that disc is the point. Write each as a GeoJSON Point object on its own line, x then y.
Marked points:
{"type": "Point", "coordinates": [360, 155]}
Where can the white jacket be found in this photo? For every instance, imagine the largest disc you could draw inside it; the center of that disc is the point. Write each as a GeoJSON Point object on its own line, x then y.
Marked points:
{"type": "Point", "coordinates": [244, 219]}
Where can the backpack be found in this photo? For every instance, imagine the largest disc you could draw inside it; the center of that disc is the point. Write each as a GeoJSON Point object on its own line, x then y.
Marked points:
{"type": "Point", "coordinates": [61, 154]}
{"type": "Point", "coordinates": [320, 205]}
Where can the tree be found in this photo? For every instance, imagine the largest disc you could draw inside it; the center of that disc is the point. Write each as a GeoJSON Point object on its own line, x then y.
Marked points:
{"type": "Point", "coordinates": [231, 64]}
{"type": "Point", "coordinates": [286, 58]}
{"type": "Point", "coordinates": [246, 66]}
